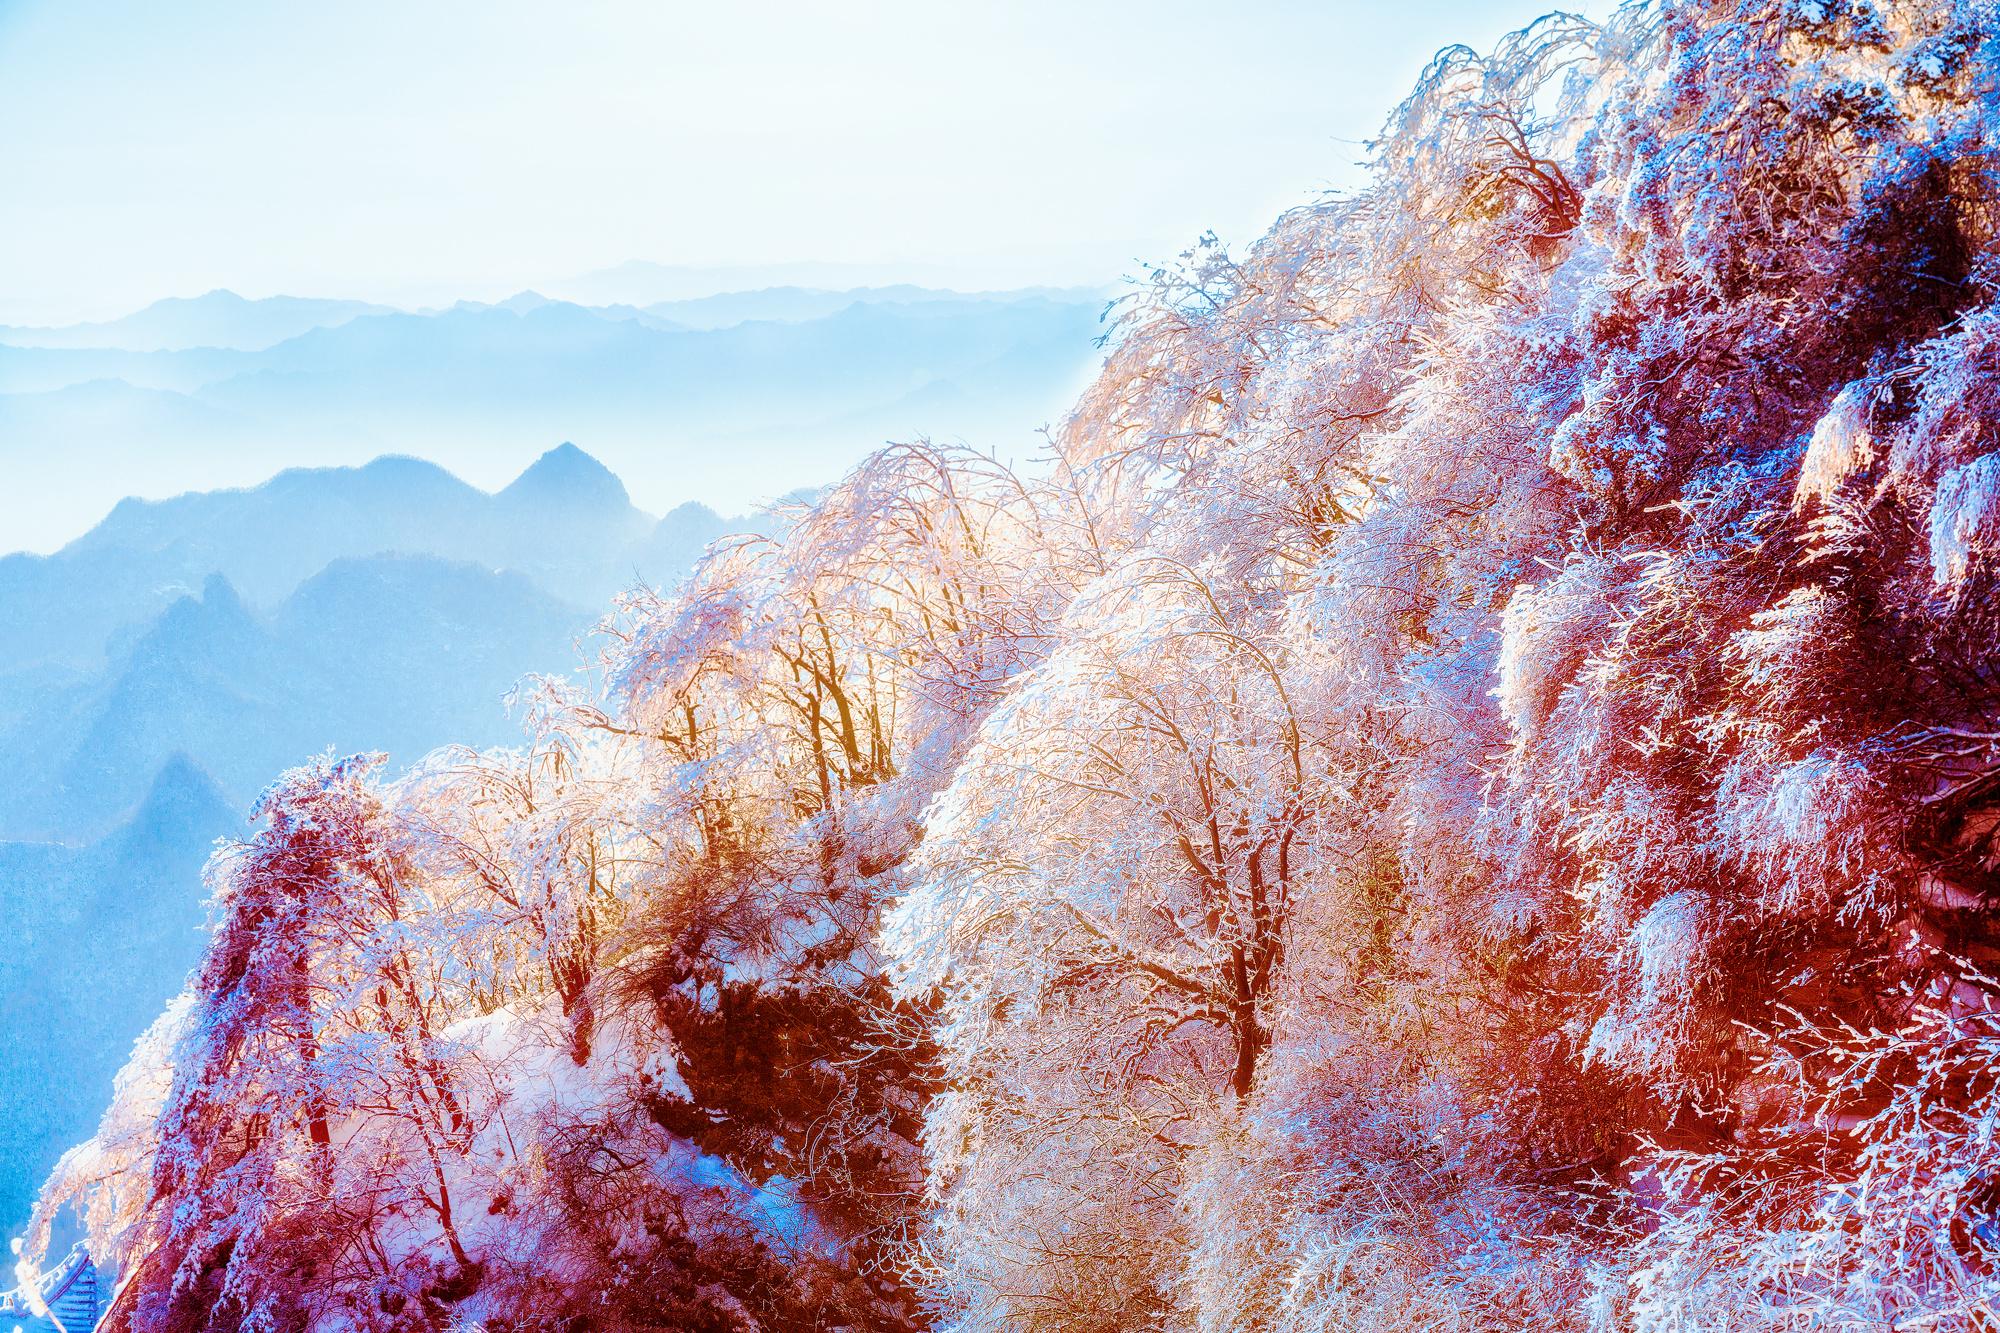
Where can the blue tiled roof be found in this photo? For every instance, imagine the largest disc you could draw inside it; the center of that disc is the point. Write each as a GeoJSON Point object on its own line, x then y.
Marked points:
{"type": "Point", "coordinates": [69, 1290]}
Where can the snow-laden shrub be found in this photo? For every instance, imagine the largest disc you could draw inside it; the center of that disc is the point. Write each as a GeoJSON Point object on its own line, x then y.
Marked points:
{"type": "Point", "coordinates": [1841, 445]}
{"type": "Point", "coordinates": [1453, 802]}
{"type": "Point", "coordinates": [1547, 632]}
{"type": "Point", "coordinates": [1803, 832]}
{"type": "Point", "coordinates": [1658, 981]}
{"type": "Point", "coordinates": [1965, 520]}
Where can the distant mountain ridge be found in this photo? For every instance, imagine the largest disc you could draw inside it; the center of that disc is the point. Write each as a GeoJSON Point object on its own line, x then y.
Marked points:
{"type": "Point", "coordinates": [219, 318]}
{"type": "Point", "coordinates": [379, 652]}
{"type": "Point", "coordinates": [247, 627]}
{"type": "Point", "coordinates": [566, 523]}
{"type": "Point", "coordinates": [159, 347]}
{"type": "Point", "coordinates": [158, 671]}
{"type": "Point", "coordinates": [645, 282]}
{"type": "Point", "coordinates": [101, 936]}
{"type": "Point", "coordinates": [798, 382]}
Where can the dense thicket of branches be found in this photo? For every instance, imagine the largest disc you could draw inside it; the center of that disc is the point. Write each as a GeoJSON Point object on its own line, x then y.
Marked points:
{"type": "Point", "coordinates": [1465, 795]}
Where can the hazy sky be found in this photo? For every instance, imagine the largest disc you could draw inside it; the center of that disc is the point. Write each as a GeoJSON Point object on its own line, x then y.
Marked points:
{"type": "Point", "coordinates": [419, 150]}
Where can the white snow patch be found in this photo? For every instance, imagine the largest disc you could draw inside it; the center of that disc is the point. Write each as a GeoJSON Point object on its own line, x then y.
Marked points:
{"type": "Point", "coordinates": [1545, 637]}
{"type": "Point", "coordinates": [1965, 519]}
{"type": "Point", "coordinates": [1841, 445]}
{"type": "Point", "coordinates": [1664, 956]}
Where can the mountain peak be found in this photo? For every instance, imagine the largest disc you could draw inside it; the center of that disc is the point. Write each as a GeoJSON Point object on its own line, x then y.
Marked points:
{"type": "Point", "coordinates": [182, 801]}
{"type": "Point", "coordinates": [219, 296]}
{"type": "Point", "coordinates": [219, 594]}
{"type": "Point", "coordinates": [197, 625]}
{"type": "Point", "coordinates": [569, 477]}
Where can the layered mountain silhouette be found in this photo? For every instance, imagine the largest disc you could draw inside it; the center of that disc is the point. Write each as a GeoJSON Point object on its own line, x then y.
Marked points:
{"type": "Point", "coordinates": [707, 396]}
{"type": "Point", "coordinates": [218, 319]}
{"type": "Point", "coordinates": [101, 938]}
{"type": "Point", "coordinates": [384, 607]}
{"type": "Point", "coordinates": [158, 671]}
{"type": "Point", "coordinates": [377, 652]}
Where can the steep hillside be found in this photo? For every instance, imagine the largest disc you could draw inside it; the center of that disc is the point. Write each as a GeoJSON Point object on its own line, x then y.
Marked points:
{"type": "Point", "coordinates": [101, 937]}
{"type": "Point", "coordinates": [385, 607]}
{"type": "Point", "coordinates": [1466, 796]}
{"type": "Point", "coordinates": [398, 653]}
{"type": "Point", "coordinates": [136, 728]}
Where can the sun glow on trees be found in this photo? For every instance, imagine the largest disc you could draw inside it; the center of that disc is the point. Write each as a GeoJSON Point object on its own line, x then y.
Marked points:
{"type": "Point", "coordinates": [1466, 795]}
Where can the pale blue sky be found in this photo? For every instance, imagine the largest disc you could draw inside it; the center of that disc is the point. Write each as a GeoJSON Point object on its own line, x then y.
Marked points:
{"type": "Point", "coordinates": [418, 150]}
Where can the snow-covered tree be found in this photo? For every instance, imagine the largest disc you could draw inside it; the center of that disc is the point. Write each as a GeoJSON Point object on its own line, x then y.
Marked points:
{"type": "Point", "coordinates": [1463, 793]}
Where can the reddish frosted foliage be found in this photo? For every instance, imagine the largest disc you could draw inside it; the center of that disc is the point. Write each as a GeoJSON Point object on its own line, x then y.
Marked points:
{"type": "Point", "coordinates": [1464, 793]}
